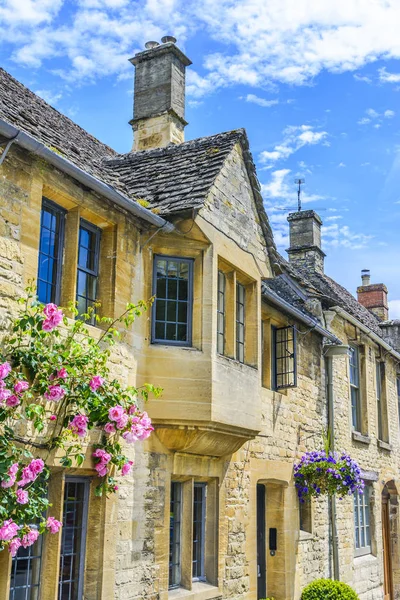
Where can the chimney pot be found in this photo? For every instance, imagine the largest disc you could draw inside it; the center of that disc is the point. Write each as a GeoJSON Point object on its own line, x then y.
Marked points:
{"type": "Point", "coordinates": [365, 277]}
{"type": "Point", "coordinates": [168, 39]}
{"type": "Point", "coordinates": [150, 45]}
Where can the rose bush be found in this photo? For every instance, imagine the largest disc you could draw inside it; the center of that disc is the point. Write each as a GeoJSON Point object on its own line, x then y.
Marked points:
{"type": "Point", "coordinates": [56, 386]}
{"type": "Point", "coordinates": [323, 472]}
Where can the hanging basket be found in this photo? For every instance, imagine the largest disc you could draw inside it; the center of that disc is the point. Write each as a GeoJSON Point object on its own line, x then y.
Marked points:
{"type": "Point", "coordinates": [324, 473]}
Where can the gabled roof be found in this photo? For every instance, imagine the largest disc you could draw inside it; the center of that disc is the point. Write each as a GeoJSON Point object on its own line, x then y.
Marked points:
{"type": "Point", "coordinates": [20, 107]}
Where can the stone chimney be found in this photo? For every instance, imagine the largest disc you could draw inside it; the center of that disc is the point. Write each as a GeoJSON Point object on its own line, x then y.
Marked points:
{"type": "Point", "coordinates": [159, 95]}
{"type": "Point", "coordinates": [373, 296]}
{"type": "Point", "coordinates": [305, 240]}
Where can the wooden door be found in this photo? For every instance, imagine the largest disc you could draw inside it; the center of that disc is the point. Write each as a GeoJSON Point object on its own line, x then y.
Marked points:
{"type": "Point", "coordinates": [387, 560]}
{"type": "Point", "coordinates": [261, 544]}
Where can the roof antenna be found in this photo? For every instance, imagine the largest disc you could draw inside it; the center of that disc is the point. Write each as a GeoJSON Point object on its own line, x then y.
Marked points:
{"type": "Point", "coordinates": [299, 183]}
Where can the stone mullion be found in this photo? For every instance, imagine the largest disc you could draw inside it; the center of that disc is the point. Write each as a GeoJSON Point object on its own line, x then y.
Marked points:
{"type": "Point", "coordinates": [69, 268]}
{"type": "Point", "coordinates": [187, 534]}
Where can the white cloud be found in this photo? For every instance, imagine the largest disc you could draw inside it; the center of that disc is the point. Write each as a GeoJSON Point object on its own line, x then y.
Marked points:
{"type": "Point", "coordinates": [375, 118]}
{"type": "Point", "coordinates": [394, 309]}
{"type": "Point", "coordinates": [258, 43]}
{"type": "Point", "coordinates": [294, 138]}
{"type": "Point", "coordinates": [333, 218]}
{"type": "Point", "coordinates": [364, 78]}
{"type": "Point", "coordinates": [388, 114]}
{"type": "Point", "coordinates": [48, 96]}
{"type": "Point", "coordinates": [260, 101]}
{"type": "Point", "coordinates": [386, 77]}
{"type": "Point", "coordinates": [341, 164]}
{"type": "Point", "coordinates": [336, 236]}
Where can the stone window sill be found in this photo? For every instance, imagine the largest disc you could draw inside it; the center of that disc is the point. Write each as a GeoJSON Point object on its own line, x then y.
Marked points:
{"type": "Point", "coordinates": [359, 437]}
{"type": "Point", "coordinates": [236, 363]}
{"type": "Point", "coordinates": [384, 445]}
{"type": "Point", "coordinates": [305, 536]}
{"type": "Point", "coordinates": [364, 559]}
{"type": "Point", "coordinates": [199, 591]}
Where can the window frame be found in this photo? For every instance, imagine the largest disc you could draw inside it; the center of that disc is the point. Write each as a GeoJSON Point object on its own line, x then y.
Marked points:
{"type": "Point", "coordinates": [366, 527]}
{"type": "Point", "coordinates": [306, 519]}
{"type": "Point", "coordinates": [189, 317]}
{"type": "Point", "coordinates": [29, 558]}
{"type": "Point", "coordinates": [203, 486]}
{"type": "Point", "coordinates": [240, 344]}
{"type": "Point", "coordinates": [355, 389]}
{"type": "Point", "coordinates": [84, 532]}
{"type": "Point", "coordinates": [380, 374]}
{"type": "Point", "coordinates": [176, 584]}
{"type": "Point", "coordinates": [52, 206]}
{"type": "Point", "coordinates": [83, 224]}
{"type": "Point", "coordinates": [274, 371]}
{"type": "Point", "coordinates": [221, 313]}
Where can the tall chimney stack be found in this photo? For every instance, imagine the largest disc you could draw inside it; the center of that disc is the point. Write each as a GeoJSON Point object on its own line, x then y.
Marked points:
{"type": "Point", "coordinates": [373, 296]}
{"type": "Point", "coordinates": [305, 240]}
{"type": "Point", "coordinates": [159, 95]}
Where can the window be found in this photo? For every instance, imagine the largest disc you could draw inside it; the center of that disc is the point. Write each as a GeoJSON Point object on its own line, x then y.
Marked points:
{"type": "Point", "coordinates": [240, 316]}
{"type": "Point", "coordinates": [172, 310]}
{"type": "Point", "coordinates": [362, 527]}
{"type": "Point", "coordinates": [305, 513]}
{"type": "Point", "coordinates": [73, 542]}
{"type": "Point", "coordinates": [221, 313]}
{"type": "Point", "coordinates": [284, 371]}
{"type": "Point", "coordinates": [175, 535]}
{"type": "Point", "coordinates": [355, 387]}
{"type": "Point", "coordinates": [199, 524]}
{"type": "Point", "coordinates": [88, 266]}
{"type": "Point", "coordinates": [50, 252]}
{"type": "Point", "coordinates": [25, 573]}
{"type": "Point", "coordinates": [380, 371]}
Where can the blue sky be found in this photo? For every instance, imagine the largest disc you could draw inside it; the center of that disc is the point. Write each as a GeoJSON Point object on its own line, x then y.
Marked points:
{"type": "Point", "coordinates": [315, 84]}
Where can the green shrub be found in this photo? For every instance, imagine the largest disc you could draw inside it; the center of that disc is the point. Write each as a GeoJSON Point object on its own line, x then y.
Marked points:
{"type": "Point", "coordinates": [326, 589]}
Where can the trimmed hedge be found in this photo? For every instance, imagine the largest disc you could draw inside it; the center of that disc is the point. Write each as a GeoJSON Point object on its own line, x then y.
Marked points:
{"type": "Point", "coordinates": [326, 589]}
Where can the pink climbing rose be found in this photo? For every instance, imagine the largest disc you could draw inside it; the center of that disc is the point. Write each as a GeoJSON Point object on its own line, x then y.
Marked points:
{"type": "Point", "coordinates": [20, 386]}
{"type": "Point", "coordinates": [96, 382]}
{"type": "Point", "coordinates": [126, 467]}
{"type": "Point", "coordinates": [30, 472]}
{"type": "Point", "coordinates": [12, 401]}
{"type": "Point", "coordinates": [115, 413]}
{"type": "Point", "coordinates": [109, 428]}
{"type": "Point", "coordinates": [62, 373]}
{"type": "Point", "coordinates": [53, 525]}
{"type": "Point", "coordinates": [53, 315]}
{"type": "Point", "coordinates": [12, 475]}
{"type": "Point", "coordinates": [54, 393]}
{"type": "Point", "coordinates": [78, 425]}
{"type": "Point", "coordinates": [14, 546]}
{"type": "Point", "coordinates": [22, 496]}
{"type": "Point", "coordinates": [30, 538]}
{"type": "Point", "coordinates": [8, 530]}
{"type": "Point", "coordinates": [5, 369]}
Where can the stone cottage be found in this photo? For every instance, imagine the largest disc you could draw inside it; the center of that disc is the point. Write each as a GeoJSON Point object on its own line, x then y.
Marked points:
{"type": "Point", "coordinates": [256, 357]}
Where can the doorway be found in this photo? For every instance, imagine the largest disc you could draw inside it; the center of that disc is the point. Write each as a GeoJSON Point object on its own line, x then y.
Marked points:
{"type": "Point", "coordinates": [261, 544]}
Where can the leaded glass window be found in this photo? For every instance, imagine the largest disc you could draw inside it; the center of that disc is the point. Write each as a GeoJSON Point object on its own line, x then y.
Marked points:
{"type": "Point", "coordinates": [172, 309]}
{"type": "Point", "coordinates": [221, 312]}
{"type": "Point", "coordinates": [380, 370]}
{"type": "Point", "coordinates": [355, 387]}
{"type": "Point", "coordinates": [50, 252]}
{"type": "Point", "coordinates": [25, 572]}
{"type": "Point", "coordinates": [199, 527]}
{"type": "Point", "coordinates": [88, 267]}
{"type": "Point", "coordinates": [284, 371]}
{"type": "Point", "coordinates": [362, 525]}
{"type": "Point", "coordinates": [73, 541]}
{"type": "Point", "coordinates": [240, 321]}
{"type": "Point", "coordinates": [175, 535]}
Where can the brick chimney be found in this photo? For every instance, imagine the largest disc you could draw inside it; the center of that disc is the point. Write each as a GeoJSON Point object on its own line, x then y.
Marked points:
{"type": "Point", "coordinates": [373, 296]}
{"type": "Point", "coordinates": [305, 240]}
{"type": "Point", "coordinates": [159, 95]}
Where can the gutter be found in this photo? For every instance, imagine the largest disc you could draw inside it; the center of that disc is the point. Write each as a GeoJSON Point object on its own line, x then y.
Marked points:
{"type": "Point", "coordinates": [340, 311]}
{"type": "Point", "coordinates": [295, 312]}
{"type": "Point", "coordinates": [28, 142]}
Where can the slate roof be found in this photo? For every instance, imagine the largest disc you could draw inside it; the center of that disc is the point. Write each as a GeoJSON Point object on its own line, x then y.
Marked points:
{"type": "Point", "coordinates": [174, 178]}
{"type": "Point", "coordinates": [20, 107]}
{"type": "Point", "coordinates": [282, 287]}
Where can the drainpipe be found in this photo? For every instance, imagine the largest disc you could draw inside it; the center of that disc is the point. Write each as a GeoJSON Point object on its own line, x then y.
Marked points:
{"type": "Point", "coordinates": [331, 429]}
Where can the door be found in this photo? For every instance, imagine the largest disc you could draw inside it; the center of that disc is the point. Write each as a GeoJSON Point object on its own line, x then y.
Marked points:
{"type": "Point", "coordinates": [261, 541]}
{"type": "Point", "coordinates": [387, 560]}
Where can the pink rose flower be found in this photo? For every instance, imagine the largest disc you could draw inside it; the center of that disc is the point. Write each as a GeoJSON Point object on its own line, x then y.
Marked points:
{"type": "Point", "coordinates": [53, 315]}
{"type": "Point", "coordinates": [129, 437]}
{"type": "Point", "coordinates": [122, 422]}
{"type": "Point", "coordinates": [22, 496]}
{"type": "Point", "coordinates": [109, 428]}
{"type": "Point", "coordinates": [30, 472]}
{"type": "Point", "coordinates": [53, 525]}
{"type": "Point", "coordinates": [36, 466]}
{"type": "Point", "coordinates": [62, 373]}
{"type": "Point", "coordinates": [30, 538]}
{"type": "Point", "coordinates": [12, 474]}
{"type": "Point", "coordinates": [14, 546]}
{"type": "Point", "coordinates": [50, 310]}
{"type": "Point", "coordinates": [5, 370]}
{"type": "Point", "coordinates": [102, 455]}
{"type": "Point", "coordinates": [96, 382]}
{"type": "Point", "coordinates": [115, 413]}
{"type": "Point", "coordinates": [101, 469]}
{"type": "Point", "coordinates": [20, 386]}
{"type": "Point", "coordinates": [54, 393]}
{"type": "Point", "coordinates": [53, 417]}
{"type": "Point", "coordinates": [78, 425]}
{"type": "Point", "coordinates": [4, 394]}
{"type": "Point", "coordinates": [8, 530]}
{"type": "Point", "coordinates": [133, 409]}
{"type": "Point", "coordinates": [126, 467]}
{"type": "Point", "coordinates": [116, 488]}
{"type": "Point", "coordinates": [13, 400]}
